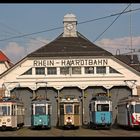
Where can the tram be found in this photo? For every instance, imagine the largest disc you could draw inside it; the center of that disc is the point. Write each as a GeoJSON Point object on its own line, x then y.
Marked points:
{"type": "Point", "coordinates": [69, 112]}
{"type": "Point", "coordinates": [41, 113]}
{"type": "Point", "coordinates": [100, 111]}
{"type": "Point", "coordinates": [128, 114]}
{"type": "Point", "coordinates": [11, 113]}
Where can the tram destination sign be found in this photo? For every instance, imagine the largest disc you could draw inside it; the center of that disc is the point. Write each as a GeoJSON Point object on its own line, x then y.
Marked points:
{"type": "Point", "coordinates": [70, 62]}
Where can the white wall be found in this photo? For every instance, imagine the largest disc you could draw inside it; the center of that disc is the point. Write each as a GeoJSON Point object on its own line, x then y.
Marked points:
{"type": "Point", "coordinates": [82, 80]}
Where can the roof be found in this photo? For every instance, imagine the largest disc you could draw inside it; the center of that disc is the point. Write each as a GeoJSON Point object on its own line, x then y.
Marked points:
{"type": "Point", "coordinates": [127, 59]}
{"type": "Point", "coordinates": [3, 57]}
{"type": "Point", "coordinates": [70, 17]}
{"type": "Point", "coordinates": [73, 46]}
{"type": "Point", "coordinates": [70, 46]}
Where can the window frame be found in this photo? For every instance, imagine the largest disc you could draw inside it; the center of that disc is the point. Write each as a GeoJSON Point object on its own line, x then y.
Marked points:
{"type": "Point", "coordinates": [51, 70]}
{"type": "Point", "coordinates": [101, 70]}
{"type": "Point", "coordinates": [40, 71]}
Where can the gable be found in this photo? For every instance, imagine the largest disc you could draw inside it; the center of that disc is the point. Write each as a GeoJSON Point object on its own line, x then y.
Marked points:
{"type": "Point", "coordinates": [111, 65]}
{"type": "Point", "coordinates": [70, 46]}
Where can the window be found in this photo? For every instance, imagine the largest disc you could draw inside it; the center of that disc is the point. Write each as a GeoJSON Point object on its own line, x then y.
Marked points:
{"type": "Point", "coordinates": [69, 109]}
{"type": "Point", "coordinates": [62, 109]}
{"type": "Point", "coordinates": [13, 110]}
{"type": "Point", "coordinates": [64, 70]}
{"type": "Point", "coordinates": [4, 110]}
{"type": "Point", "coordinates": [40, 110]}
{"type": "Point", "coordinates": [70, 70]}
{"type": "Point", "coordinates": [76, 109]}
{"type": "Point", "coordinates": [22, 110]}
{"type": "Point", "coordinates": [76, 70]}
{"type": "Point", "coordinates": [28, 72]}
{"type": "Point", "coordinates": [51, 71]}
{"type": "Point", "coordinates": [111, 70]}
{"type": "Point", "coordinates": [49, 109]}
{"type": "Point", "coordinates": [32, 110]}
{"type": "Point", "coordinates": [137, 108]}
{"type": "Point", "coordinates": [102, 107]}
{"type": "Point", "coordinates": [101, 70]}
{"type": "Point", "coordinates": [18, 110]}
{"type": "Point", "coordinates": [40, 71]}
{"type": "Point", "coordinates": [89, 70]}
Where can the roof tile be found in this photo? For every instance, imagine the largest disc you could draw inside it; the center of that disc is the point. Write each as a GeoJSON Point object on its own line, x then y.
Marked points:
{"type": "Point", "coordinates": [70, 46]}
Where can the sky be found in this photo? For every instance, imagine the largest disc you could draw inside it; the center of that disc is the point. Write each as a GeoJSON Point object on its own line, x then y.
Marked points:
{"type": "Point", "coordinates": [27, 18]}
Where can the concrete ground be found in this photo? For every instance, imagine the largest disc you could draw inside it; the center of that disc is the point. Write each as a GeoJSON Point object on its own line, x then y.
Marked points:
{"type": "Point", "coordinates": [81, 132]}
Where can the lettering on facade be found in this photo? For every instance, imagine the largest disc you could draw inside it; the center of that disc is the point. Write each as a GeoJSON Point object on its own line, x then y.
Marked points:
{"type": "Point", "coordinates": [71, 62]}
{"type": "Point", "coordinates": [43, 63]}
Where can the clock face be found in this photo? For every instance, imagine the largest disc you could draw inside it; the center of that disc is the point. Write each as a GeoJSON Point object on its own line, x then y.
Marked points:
{"type": "Point", "coordinates": [69, 26]}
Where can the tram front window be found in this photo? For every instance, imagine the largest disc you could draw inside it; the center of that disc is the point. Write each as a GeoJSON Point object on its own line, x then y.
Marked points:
{"type": "Point", "coordinates": [137, 108]}
{"type": "Point", "coordinates": [102, 107]}
{"type": "Point", "coordinates": [40, 110]}
{"type": "Point", "coordinates": [5, 110]}
{"type": "Point", "coordinates": [69, 109]}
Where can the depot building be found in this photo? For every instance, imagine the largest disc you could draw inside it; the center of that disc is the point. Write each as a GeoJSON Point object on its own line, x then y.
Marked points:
{"type": "Point", "coordinates": [71, 65]}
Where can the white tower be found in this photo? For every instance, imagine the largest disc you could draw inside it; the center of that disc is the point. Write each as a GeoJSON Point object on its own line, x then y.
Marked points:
{"type": "Point", "coordinates": [70, 23]}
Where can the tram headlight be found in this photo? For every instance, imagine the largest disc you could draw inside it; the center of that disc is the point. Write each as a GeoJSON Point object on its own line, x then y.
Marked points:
{"type": "Point", "coordinates": [68, 119]}
{"type": "Point", "coordinates": [8, 120]}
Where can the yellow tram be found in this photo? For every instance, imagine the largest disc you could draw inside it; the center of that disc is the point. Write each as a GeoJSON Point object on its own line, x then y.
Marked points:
{"type": "Point", "coordinates": [69, 112]}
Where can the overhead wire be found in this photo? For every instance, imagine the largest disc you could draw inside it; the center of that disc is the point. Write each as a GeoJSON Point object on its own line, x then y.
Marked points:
{"type": "Point", "coordinates": [83, 22]}
{"type": "Point", "coordinates": [11, 28]}
{"type": "Point", "coordinates": [111, 23]}
{"type": "Point", "coordinates": [24, 35]}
